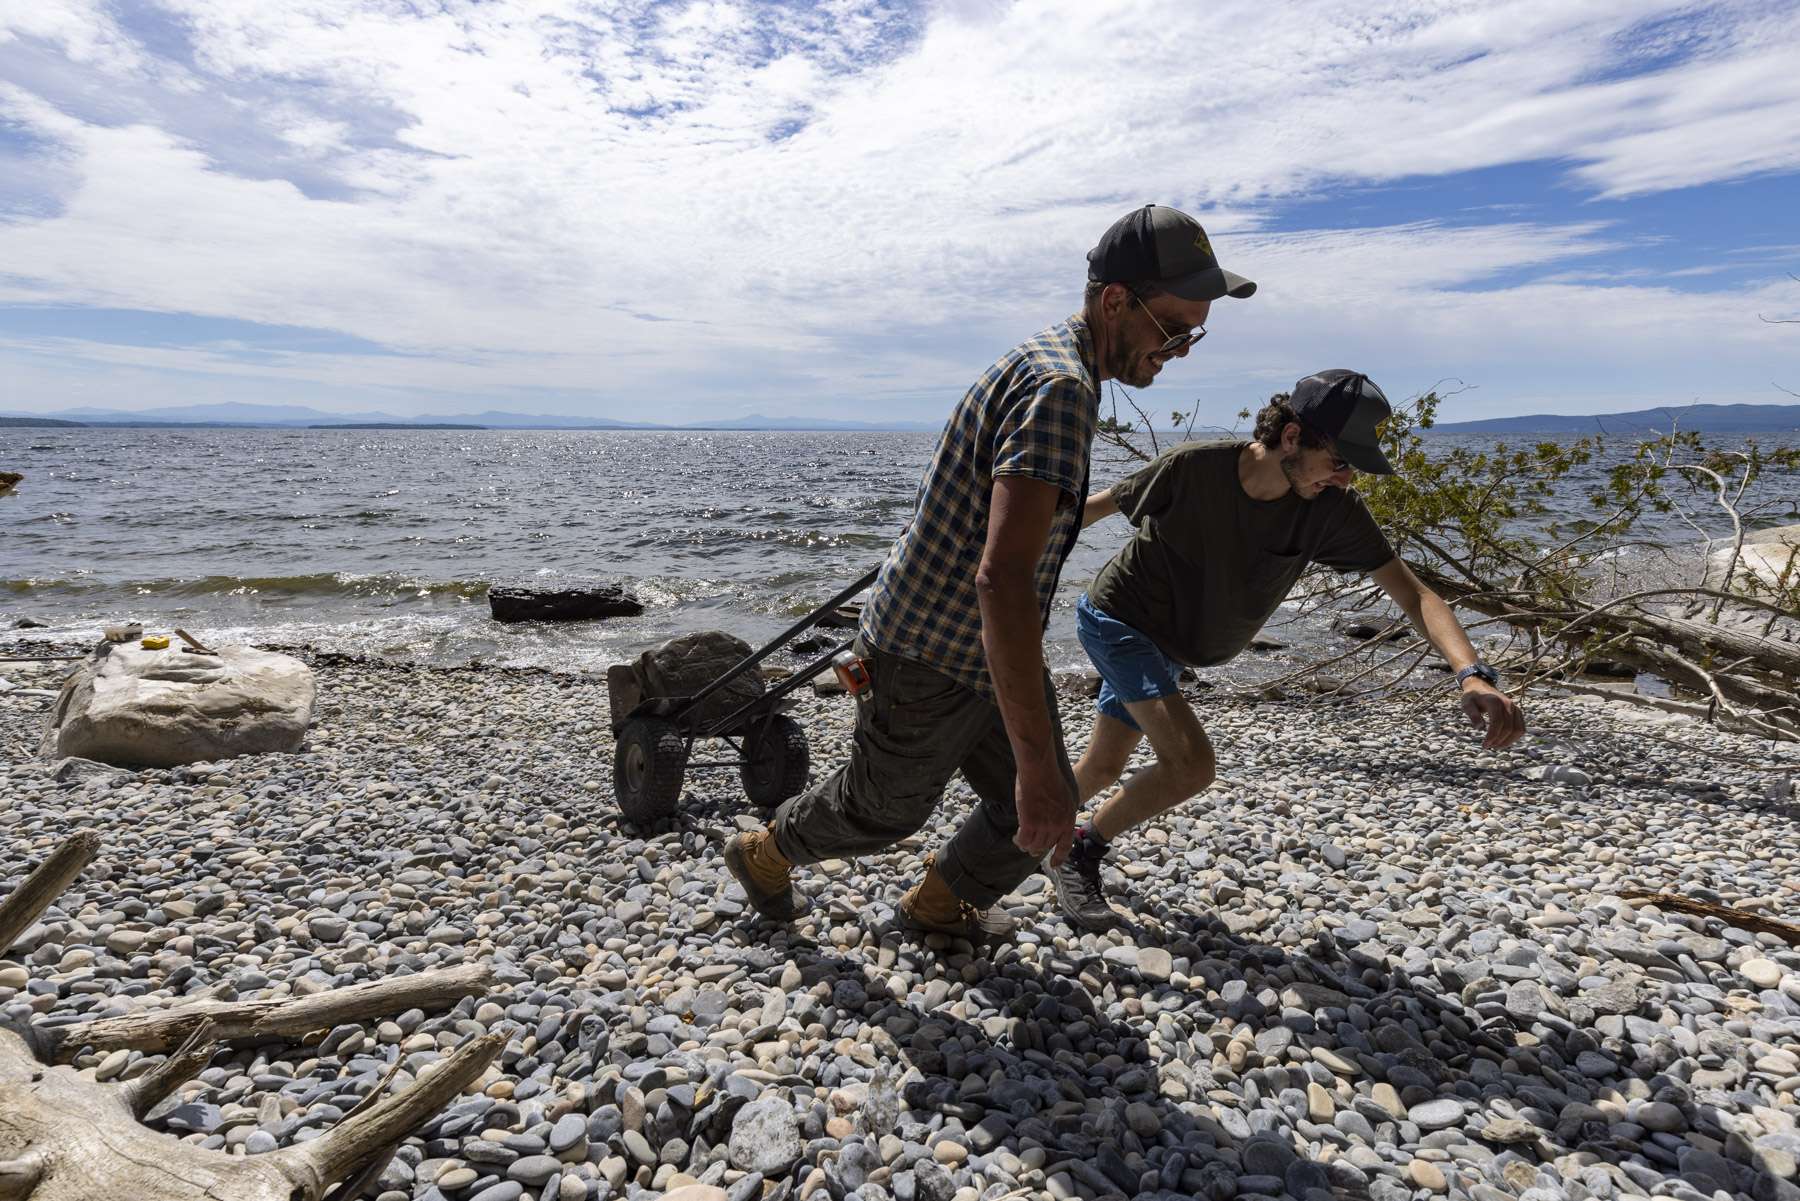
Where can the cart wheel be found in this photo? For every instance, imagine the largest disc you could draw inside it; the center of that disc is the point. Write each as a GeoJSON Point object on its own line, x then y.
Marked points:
{"type": "Point", "coordinates": [647, 767]}
{"type": "Point", "coordinates": [776, 763]}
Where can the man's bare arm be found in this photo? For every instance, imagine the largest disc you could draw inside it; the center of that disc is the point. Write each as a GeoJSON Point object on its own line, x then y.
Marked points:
{"type": "Point", "coordinates": [1012, 634]}
{"type": "Point", "coordinates": [1484, 704]}
{"type": "Point", "coordinates": [1100, 506]}
{"type": "Point", "coordinates": [1437, 622]}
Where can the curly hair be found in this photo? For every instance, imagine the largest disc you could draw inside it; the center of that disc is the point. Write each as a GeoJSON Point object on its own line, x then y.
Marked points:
{"type": "Point", "coordinates": [1274, 418]}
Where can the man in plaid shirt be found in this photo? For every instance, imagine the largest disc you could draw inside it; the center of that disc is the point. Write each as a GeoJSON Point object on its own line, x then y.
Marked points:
{"type": "Point", "coordinates": [953, 632]}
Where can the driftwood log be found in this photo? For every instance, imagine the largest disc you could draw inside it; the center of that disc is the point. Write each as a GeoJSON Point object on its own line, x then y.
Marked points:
{"type": "Point", "coordinates": [165, 1029]}
{"type": "Point", "coordinates": [65, 1137]}
{"type": "Point", "coordinates": [1741, 918]}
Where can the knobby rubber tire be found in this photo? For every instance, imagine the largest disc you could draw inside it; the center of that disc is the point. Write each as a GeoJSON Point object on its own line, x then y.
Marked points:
{"type": "Point", "coordinates": [776, 764]}
{"type": "Point", "coordinates": [648, 763]}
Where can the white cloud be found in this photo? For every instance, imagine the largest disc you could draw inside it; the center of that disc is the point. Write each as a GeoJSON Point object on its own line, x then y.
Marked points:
{"type": "Point", "coordinates": [849, 199]}
{"type": "Point", "coordinates": [84, 29]}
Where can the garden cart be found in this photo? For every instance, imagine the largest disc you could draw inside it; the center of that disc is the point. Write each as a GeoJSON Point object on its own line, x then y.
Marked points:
{"type": "Point", "coordinates": [655, 735]}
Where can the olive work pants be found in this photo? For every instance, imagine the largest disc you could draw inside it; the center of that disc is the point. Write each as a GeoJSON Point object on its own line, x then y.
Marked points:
{"type": "Point", "coordinates": [918, 728]}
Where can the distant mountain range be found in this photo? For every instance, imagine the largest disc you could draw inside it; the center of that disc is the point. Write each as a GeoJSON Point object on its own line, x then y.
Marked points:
{"type": "Point", "coordinates": [300, 417]}
{"type": "Point", "coordinates": [1737, 419]}
{"type": "Point", "coordinates": [1705, 417]}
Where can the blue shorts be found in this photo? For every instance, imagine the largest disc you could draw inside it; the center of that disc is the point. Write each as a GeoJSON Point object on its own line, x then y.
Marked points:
{"type": "Point", "coordinates": [1131, 667]}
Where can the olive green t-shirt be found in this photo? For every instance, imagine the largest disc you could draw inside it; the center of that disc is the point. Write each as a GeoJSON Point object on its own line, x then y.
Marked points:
{"type": "Point", "coordinates": [1208, 564]}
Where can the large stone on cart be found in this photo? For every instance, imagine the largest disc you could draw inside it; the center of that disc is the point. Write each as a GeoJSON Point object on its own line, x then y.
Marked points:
{"type": "Point", "coordinates": [562, 604]}
{"type": "Point", "coordinates": [130, 706]}
{"type": "Point", "coordinates": [682, 667]}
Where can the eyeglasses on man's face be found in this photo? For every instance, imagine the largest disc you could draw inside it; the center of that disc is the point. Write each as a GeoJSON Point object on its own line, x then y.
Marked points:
{"type": "Point", "coordinates": [1172, 343]}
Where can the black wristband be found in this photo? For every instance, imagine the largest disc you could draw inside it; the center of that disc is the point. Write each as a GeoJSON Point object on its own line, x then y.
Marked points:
{"type": "Point", "coordinates": [1481, 671]}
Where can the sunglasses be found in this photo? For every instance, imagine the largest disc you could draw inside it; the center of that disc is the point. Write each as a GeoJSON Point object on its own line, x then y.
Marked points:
{"type": "Point", "coordinates": [1171, 342]}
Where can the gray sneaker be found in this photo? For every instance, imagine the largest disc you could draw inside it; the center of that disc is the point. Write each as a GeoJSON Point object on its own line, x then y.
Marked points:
{"type": "Point", "coordinates": [1081, 896]}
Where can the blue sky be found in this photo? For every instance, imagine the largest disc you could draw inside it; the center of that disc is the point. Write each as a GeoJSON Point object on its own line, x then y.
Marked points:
{"type": "Point", "coordinates": [689, 211]}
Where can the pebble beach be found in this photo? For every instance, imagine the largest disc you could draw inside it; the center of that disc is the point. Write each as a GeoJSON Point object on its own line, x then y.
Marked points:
{"type": "Point", "coordinates": [1374, 962]}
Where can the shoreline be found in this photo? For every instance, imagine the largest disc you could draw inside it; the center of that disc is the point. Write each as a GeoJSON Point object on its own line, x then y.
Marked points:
{"type": "Point", "coordinates": [1373, 959]}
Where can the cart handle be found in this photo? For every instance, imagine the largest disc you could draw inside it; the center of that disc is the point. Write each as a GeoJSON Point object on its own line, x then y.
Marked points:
{"type": "Point", "coordinates": [758, 656]}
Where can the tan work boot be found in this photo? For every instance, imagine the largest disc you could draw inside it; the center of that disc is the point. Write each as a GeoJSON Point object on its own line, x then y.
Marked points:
{"type": "Point", "coordinates": [767, 876]}
{"type": "Point", "coordinates": [931, 907]}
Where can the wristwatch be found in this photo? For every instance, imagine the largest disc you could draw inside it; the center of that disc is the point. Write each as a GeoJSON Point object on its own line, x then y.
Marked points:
{"type": "Point", "coordinates": [1480, 671]}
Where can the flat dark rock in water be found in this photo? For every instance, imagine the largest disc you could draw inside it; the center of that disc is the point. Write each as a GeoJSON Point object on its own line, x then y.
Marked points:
{"type": "Point", "coordinates": [1364, 631]}
{"type": "Point", "coordinates": [561, 604]}
{"type": "Point", "coordinates": [844, 617]}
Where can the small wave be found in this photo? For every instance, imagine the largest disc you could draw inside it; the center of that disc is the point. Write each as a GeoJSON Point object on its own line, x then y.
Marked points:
{"type": "Point", "coordinates": [787, 539]}
{"type": "Point", "coordinates": [25, 587]}
{"type": "Point", "coordinates": [322, 584]}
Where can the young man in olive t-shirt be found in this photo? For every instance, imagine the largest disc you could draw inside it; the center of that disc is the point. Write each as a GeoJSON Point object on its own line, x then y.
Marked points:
{"type": "Point", "coordinates": [1223, 532]}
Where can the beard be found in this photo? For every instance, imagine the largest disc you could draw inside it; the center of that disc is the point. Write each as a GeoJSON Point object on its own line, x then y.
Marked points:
{"type": "Point", "coordinates": [1290, 469]}
{"type": "Point", "coordinates": [1130, 369]}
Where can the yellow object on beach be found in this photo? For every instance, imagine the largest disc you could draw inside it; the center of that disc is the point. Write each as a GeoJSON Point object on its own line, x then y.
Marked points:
{"type": "Point", "coordinates": [156, 642]}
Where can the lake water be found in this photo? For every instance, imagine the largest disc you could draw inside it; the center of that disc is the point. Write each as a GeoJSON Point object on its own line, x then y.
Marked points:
{"type": "Point", "coordinates": [385, 541]}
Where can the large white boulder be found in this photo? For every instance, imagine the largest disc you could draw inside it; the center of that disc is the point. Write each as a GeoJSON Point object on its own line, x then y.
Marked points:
{"type": "Point", "coordinates": [1766, 558]}
{"type": "Point", "coordinates": [1762, 561]}
{"type": "Point", "coordinates": [128, 705]}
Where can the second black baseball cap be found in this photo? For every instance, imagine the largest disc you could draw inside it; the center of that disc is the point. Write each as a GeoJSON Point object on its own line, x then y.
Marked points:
{"type": "Point", "coordinates": [1346, 407]}
{"type": "Point", "coordinates": [1163, 246]}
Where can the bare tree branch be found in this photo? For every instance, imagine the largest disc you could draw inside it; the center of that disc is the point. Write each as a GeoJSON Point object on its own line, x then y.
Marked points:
{"type": "Point", "coordinates": [39, 890]}
{"type": "Point", "coordinates": [350, 1144]}
{"type": "Point", "coordinates": [189, 1060]}
{"type": "Point", "coordinates": [1731, 509]}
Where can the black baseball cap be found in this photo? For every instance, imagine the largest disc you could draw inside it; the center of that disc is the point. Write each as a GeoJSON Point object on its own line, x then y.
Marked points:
{"type": "Point", "coordinates": [1166, 247]}
{"type": "Point", "coordinates": [1345, 406]}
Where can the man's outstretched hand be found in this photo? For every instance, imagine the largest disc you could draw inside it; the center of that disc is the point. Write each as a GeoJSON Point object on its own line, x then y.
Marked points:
{"type": "Point", "coordinates": [1487, 706]}
{"type": "Point", "coordinates": [1046, 814]}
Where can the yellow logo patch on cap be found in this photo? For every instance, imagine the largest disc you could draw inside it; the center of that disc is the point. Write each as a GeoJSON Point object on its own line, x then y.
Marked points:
{"type": "Point", "coordinates": [1202, 245]}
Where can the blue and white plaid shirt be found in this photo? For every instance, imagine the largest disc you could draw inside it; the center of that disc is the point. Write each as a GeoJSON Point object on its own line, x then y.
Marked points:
{"type": "Point", "coordinates": [1032, 414]}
